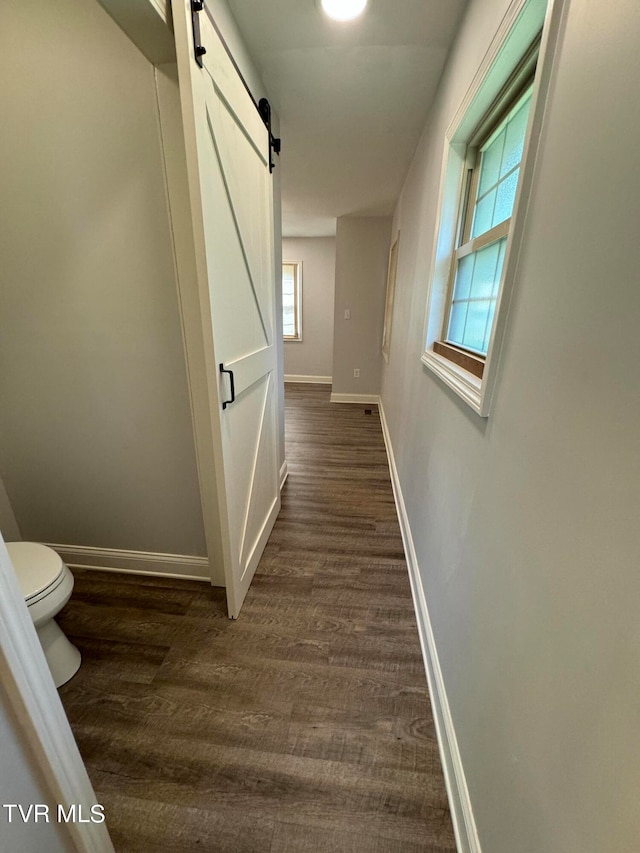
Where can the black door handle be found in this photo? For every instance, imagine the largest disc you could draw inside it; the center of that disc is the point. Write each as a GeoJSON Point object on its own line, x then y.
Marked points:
{"type": "Point", "coordinates": [233, 387]}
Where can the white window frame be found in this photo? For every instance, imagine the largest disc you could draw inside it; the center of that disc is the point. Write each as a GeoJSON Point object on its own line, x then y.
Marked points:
{"type": "Point", "coordinates": [522, 23]}
{"type": "Point", "coordinates": [392, 272]}
{"type": "Point", "coordinates": [516, 92]}
{"type": "Point", "coordinates": [298, 302]}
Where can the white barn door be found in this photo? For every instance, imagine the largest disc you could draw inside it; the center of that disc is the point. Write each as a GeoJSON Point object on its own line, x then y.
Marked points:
{"type": "Point", "coordinates": [227, 148]}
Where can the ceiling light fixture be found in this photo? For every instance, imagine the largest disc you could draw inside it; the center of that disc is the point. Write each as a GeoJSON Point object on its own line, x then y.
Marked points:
{"type": "Point", "coordinates": [343, 10]}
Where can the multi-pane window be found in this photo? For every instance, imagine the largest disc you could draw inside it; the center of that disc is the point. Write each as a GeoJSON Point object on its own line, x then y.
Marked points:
{"type": "Point", "coordinates": [291, 300]}
{"type": "Point", "coordinates": [492, 181]}
{"type": "Point", "coordinates": [489, 151]}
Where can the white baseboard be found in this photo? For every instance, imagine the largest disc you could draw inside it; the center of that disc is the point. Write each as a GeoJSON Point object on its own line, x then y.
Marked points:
{"type": "Point", "coordinates": [316, 380]}
{"type": "Point", "coordinates": [138, 563]}
{"type": "Point", "coordinates": [284, 473]}
{"type": "Point", "coordinates": [355, 398]}
{"type": "Point", "coordinates": [464, 826]}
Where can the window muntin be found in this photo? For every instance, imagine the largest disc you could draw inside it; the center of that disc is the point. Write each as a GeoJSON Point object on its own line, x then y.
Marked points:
{"type": "Point", "coordinates": [475, 296]}
{"type": "Point", "coordinates": [500, 161]}
{"type": "Point", "coordinates": [491, 188]}
{"type": "Point", "coordinates": [291, 300]}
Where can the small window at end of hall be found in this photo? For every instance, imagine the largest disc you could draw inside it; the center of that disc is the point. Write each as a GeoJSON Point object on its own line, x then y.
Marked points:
{"type": "Point", "coordinates": [292, 300]}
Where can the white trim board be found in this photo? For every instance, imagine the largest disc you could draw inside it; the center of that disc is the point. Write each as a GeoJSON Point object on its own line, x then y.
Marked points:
{"type": "Point", "coordinates": [284, 473]}
{"type": "Point", "coordinates": [356, 398]}
{"type": "Point", "coordinates": [35, 704]}
{"type": "Point", "coordinates": [464, 826]}
{"type": "Point", "coordinates": [147, 24]}
{"type": "Point", "coordinates": [312, 380]}
{"type": "Point", "coordinates": [180, 566]}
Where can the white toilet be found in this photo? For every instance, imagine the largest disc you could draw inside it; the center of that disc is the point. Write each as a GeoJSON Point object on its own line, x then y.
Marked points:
{"type": "Point", "coordinates": [46, 583]}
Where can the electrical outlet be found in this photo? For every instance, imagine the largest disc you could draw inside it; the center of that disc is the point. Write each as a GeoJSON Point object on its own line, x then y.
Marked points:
{"type": "Point", "coordinates": [356, 373]}
{"type": "Point", "coordinates": [347, 313]}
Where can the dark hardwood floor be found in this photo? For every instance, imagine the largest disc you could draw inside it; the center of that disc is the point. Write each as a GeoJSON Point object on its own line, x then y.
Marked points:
{"type": "Point", "coordinates": [303, 727]}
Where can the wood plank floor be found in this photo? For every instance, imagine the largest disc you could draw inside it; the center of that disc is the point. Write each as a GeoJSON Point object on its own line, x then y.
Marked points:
{"type": "Point", "coordinates": [303, 727]}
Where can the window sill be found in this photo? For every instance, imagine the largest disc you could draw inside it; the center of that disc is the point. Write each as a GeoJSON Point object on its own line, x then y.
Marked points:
{"type": "Point", "coordinates": [465, 384]}
{"type": "Point", "coordinates": [474, 364]}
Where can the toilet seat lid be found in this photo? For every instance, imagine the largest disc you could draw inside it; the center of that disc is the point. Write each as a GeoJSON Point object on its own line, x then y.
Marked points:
{"type": "Point", "coordinates": [37, 567]}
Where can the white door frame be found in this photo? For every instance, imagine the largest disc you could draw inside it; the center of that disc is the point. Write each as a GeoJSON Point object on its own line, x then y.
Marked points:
{"type": "Point", "coordinates": [197, 335]}
{"type": "Point", "coordinates": [36, 706]}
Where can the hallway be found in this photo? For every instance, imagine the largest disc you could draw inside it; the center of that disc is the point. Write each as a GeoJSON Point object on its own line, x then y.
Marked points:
{"type": "Point", "coordinates": [303, 727]}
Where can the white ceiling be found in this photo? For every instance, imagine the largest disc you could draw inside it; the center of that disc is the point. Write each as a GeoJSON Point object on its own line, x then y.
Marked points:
{"type": "Point", "coordinates": [352, 99]}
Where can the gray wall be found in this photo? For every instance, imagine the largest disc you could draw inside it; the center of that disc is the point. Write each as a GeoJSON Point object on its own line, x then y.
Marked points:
{"type": "Point", "coordinates": [313, 355]}
{"type": "Point", "coordinates": [525, 524]}
{"type": "Point", "coordinates": [96, 443]}
{"type": "Point", "coordinates": [8, 524]}
{"type": "Point", "coordinates": [362, 256]}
